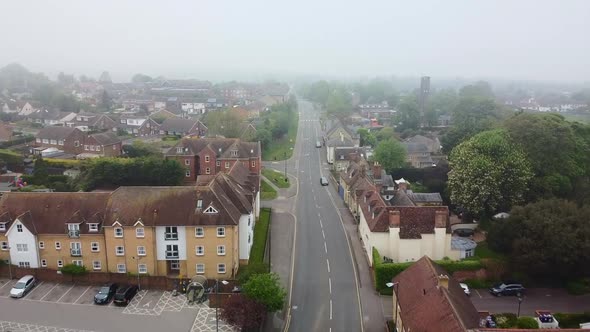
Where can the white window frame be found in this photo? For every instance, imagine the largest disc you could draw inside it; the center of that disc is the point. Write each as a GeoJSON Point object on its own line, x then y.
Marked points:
{"type": "Point", "coordinates": [96, 265]}
{"type": "Point", "coordinates": [202, 232]}
{"type": "Point", "coordinates": [187, 173]}
{"type": "Point", "coordinates": [220, 231]}
{"type": "Point", "coordinates": [141, 251]}
{"type": "Point", "coordinates": [142, 268]}
{"type": "Point", "coordinates": [60, 263]}
{"type": "Point", "coordinates": [220, 267]}
{"type": "Point", "coordinates": [187, 162]}
{"type": "Point", "coordinates": [222, 251]}
{"type": "Point", "coordinates": [94, 247]}
{"type": "Point", "coordinates": [2, 227]}
{"type": "Point", "coordinates": [26, 265]}
{"type": "Point", "coordinates": [41, 244]}
{"type": "Point", "coordinates": [227, 164]}
{"type": "Point", "coordinates": [57, 245]}
{"type": "Point", "coordinates": [22, 247]}
{"type": "Point", "coordinates": [19, 228]}
{"type": "Point", "coordinates": [197, 268]}
{"type": "Point", "coordinates": [207, 158]}
{"type": "Point", "coordinates": [120, 252]}
{"type": "Point", "coordinates": [168, 233]}
{"type": "Point", "coordinates": [121, 268]}
{"type": "Point", "coordinates": [253, 163]}
{"type": "Point", "coordinates": [43, 263]}
{"type": "Point", "coordinates": [207, 170]}
{"type": "Point", "coordinates": [140, 232]}
{"type": "Point", "coordinates": [116, 229]}
{"type": "Point", "coordinates": [4, 245]}
{"type": "Point", "coordinates": [218, 163]}
{"type": "Point", "coordinates": [93, 227]}
{"type": "Point", "coordinates": [200, 250]}
{"type": "Point", "coordinates": [78, 262]}
{"type": "Point", "coordinates": [172, 248]}
{"type": "Point", "coordinates": [45, 140]}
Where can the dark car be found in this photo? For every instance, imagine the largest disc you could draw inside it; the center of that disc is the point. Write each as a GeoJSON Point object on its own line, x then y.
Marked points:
{"type": "Point", "coordinates": [105, 294]}
{"type": "Point", "coordinates": [464, 232]}
{"type": "Point", "coordinates": [324, 181]}
{"type": "Point", "coordinates": [125, 294]}
{"type": "Point", "coordinates": [507, 288]}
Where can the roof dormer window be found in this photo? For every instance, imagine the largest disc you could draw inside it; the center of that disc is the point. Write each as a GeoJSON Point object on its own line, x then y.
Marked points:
{"type": "Point", "coordinates": [211, 210]}
{"type": "Point", "coordinates": [179, 150]}
{"type": "Point", "coordinates": [234, 153]}
{"type": "Point", "coordinates": [199, 204]}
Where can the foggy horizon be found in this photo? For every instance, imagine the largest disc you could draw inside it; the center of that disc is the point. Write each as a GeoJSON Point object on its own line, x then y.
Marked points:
{"type": "Point", "coordinates": [525, 41]}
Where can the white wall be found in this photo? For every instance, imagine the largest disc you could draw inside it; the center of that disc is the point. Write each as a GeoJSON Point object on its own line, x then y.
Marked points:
{"type": "Point", "coordinates": [377, 240]}
{"type": "Point", "coordinates": [246, 235]}
{"type": "Point", "coordinates": [161, 243]}
{"type": "Point", "coordinates": [330, 154]}
{"type": "Point", "coordinates": [409, 250]}
{"type": "Point", "coordinates": [24, 237]}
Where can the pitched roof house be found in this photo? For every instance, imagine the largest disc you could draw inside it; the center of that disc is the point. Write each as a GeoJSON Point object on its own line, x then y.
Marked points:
{"type": "Point", "coordinates": [183, 127]}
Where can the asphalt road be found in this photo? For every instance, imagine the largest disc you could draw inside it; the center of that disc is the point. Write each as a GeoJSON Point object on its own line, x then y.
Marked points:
{"type": "Point", "coordinates": [325, 292]}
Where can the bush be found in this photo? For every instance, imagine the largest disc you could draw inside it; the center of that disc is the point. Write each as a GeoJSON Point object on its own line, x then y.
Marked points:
{"type": "Point", "coordinates": [571, 321]}
{"type": "Point", "coordinates": [478, 283]}
{"type": "Point", "coordinates": [73, 269]}
{"type": "Point", "coordinates": [253, 268]}
{"type": "Point", "coordinates": [506, 320]}
{"type": "Point", "coordinates": [527, 323]}
{"type": "Point", "coordinates": [578, 287]}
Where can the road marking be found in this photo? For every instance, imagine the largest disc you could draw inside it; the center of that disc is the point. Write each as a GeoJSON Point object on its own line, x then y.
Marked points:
{"type": "Point", "coordinates": [65, 293]}
{"type": "Point", "coordinates": [319, 215]}
{"type": "Point", "coordinates": [330, 284]}
{"type": "Point", "coordinates": [330, 309]}
{"type": "Point", "coordinates": [41, 299]}
{"type": "Point", "coordinates": [328, 263]}
{"type": "Point", "coordinates": [36, 287]}
{"type": "Point", "coordinates": [82, 294]}
{"type": "Point", "coordinates": [323, 234]}
{"type": "Point", "coordinates": [147, 304]}
{"type": "Point", "coordinates": [325, 247]}
{"type": "Point", "coordinates": [8, 282]}
{"type": "Point", "coordinates": [478, 294]}
{"type": "Point", "coordinates": [321, 225]}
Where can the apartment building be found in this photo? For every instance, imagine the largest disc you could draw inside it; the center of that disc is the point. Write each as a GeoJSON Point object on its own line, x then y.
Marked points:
{"type": "Point", "coordinates": [161, 231]}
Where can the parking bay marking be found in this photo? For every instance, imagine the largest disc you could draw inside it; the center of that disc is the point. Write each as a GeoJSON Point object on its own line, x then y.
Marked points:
{"type": "Point", "coordinates": [65, 293]}
{"type": "Point", "coordinates": [78, 299]}
{"type": "Point", "coordinates": [41, 299]}
{"type": "Point", "coordinates": [36, 287]}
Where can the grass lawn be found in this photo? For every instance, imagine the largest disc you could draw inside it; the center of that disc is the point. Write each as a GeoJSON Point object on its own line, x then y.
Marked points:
{"type": "Point", "coordinates": [267, 192]}
{"type": "Point", "coordinates": [278, 178]}
{"type": "Point", "coordinates": [260, 235]}
{"type": "Point", "coordinates": [281, 149]}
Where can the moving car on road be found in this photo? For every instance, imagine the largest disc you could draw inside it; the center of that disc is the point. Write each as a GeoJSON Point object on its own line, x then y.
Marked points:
{"type": "Point", "coordinates": [465, 288]}
{"type": "Point", "coordinates": [125, 294]}
{"type": "Point", "coordinates": [323, 181]}
{"type": "Point", "coordinates": [507, 288]}
{"type": "Point", "coordinates": [318, 144]}
{"type": "Point", "coordinates": [23, 286]}
{"type": "Point", "coordinates": [105, 294]}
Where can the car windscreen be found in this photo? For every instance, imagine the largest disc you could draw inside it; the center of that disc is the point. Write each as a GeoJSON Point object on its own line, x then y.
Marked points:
{"type": "Point", "coordinates": [104, 290]}
{"type": "Point", "coordinates": [20, 285]}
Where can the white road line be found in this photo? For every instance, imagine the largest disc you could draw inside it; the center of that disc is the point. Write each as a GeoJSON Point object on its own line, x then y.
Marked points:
{"type": "Point", "coordinates": [322, 225]}
{"type": "Point", "coordinates": [328, 263]}
{"type": "Point", "coordinates": [319, 215]}
{"type": "Point", "coordinates": [323, 234]}
{"type": "Point", "coordinates": [8, 282]}
{"type": "Point", "coordinates": [65, 293]}
{"type": "Point", "coordinates": [41, 299]}
{"type": "Point", "coordinates": [36, 287]}
{"type": "Point", "coordinates": [325, 247]}
{"type": "Point", "coordinates": [330, 284]}
{"type": "Point", "coordinates": [82, 295]}
{"type": "Point", "coordinates": [330, 309]}
{"type": "Point", "coordinates": [478, 294]}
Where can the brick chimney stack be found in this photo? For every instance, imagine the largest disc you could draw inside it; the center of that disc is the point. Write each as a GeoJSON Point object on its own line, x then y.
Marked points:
{"type": "Point", "coordinates": [394, 218]}
{"type": "Point", "coordinates": [443, 281]}
{"type": "Point", "coordinates": [440, 219]}
{"type": "Point", "coordinates": [376, 170]}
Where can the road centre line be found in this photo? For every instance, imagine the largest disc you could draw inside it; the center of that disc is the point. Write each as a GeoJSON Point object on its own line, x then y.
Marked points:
{"type": "Point", "coordinates": [325, 247]}
{"type": "Point", "coordinates": [323, 234]}
{"type": "Point", "coordinates": [330, 284]}
{"type": "Point", "coordinates": [328, 263]}
{"type": "Point", "coordinates": [330, 309]}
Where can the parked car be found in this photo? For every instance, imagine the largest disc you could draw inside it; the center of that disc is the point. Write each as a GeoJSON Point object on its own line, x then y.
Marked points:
{"type": "Point", "coordinates": [318, 144]}
{"type": "Point", "coordinates": [125, 294]}
{"type": "Point", "coordinates": [323, 181]}
{"type": "Point", "coordinates": [465, 288]}
{"type": "Point", "coordinates": [105, 293]}
{"type": "Point", "coordinates": [464, 232]}
{"type": "Point", "coordinates": [507, 288]}
{"type": "Point", "coordinates": [23, 286]}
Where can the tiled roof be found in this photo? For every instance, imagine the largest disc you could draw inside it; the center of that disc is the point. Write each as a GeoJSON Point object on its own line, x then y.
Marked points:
{"type": "Point", "coordinates": [106, 138]}
{"type": "Point", "coordinates": [415, 147]}
{"type": "Point", "coordinates": [424, 197]}
{"type": "Point", "coordinates": [56, 132]}
{"type": "Point", "coordinates": [221, 146]}
{"type": "Point", "coordinates": [427, 305]}
{"type": "Point", "coordinates": [178, 125]}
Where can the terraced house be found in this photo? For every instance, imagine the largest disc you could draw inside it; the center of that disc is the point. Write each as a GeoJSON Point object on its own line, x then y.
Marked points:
{"type": "Point", "coordinates": [206, 229]}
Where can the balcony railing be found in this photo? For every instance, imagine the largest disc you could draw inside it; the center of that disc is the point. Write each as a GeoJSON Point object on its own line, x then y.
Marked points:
{"type": "Point", "coordinates": [76, 252]}
{"type": "Point", "coordinates": [74, 233]}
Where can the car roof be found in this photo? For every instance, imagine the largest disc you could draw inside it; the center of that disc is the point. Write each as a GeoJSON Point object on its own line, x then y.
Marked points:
{"type": "Point", "coordinates": [25, 278]}
{"type": "Point", "coordinates": [124, 288]}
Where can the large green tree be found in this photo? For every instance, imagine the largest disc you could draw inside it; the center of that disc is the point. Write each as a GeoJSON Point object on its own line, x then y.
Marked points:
{"type": "Point", "coordinates": [488, 173]}
{"type": "Point", "coordinates": [390, 154]}
{"type": "Point", "coordinates": [549, 238]}
{"type": "Point", "coordinates": [408, 114]}
{"type": "Point", "coordinates": [266, 289]}
{"type": "Point", "coordinates": [366, 137]}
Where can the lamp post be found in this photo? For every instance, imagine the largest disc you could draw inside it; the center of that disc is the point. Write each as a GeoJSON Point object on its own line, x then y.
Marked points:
{"type": "Point", "coordinates": [137, 259]}
{"type": "Point", "coordinates": [392, 284]}
{"type": "Point", "coordinates": [519, 302]}
{"type": "Point", "coordinates": [9, 264]}
{"type": "Point", "coordinates": [217, 306]}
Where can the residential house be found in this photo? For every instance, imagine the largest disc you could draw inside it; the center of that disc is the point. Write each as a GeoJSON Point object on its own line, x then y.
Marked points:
{"type": "Point", "coordinates": [403, 196]}
{"type": "Point", "coordinates": [50, 117]}
{"type": "Point", "coordinates": [183, 127]}
{"type": "Point", "coordinates": [92, 121]}
{"type": "Point", "coordinates": [210, 156]}
{"type": "Point", "coordinates": [27, 109]}
{"type": "Point", "coordinates": [427, 299]}
{"type": "Point", "coordinates": [67, 139]}
{"type": "Point", "coordinates": [344, 155]}
{"type": "Point", "coordinates": [381, 111]}
{"type": "Point", "coordinates": [255, 108]}
{"type": "Point", "coordinates": [339, 136]}
{"type": "Point", "coordinates": [105, 144]}
{"type": "Point", "coordinates": [163, 114]}
{"type": "Point", "coordinates": [5, 132]}
{"type": "Point", "coordinates": [138, 125]}
{"type": "Point", "coordinates": [10, 107]}
{"type": "Point", "coordinates": [444, 120]}
{"type": "Point", "coordinates": [418, 155]}
{"type": "Point", "coordinates": [432, 144]}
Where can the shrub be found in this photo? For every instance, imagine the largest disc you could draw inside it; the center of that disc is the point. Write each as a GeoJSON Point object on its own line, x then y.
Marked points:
{"type": "Point", "coordinates": [73, 269]}
{"type": "Point", "coordinates": [527, 323]}
{"type": "Point", "coordinates": [571, 321]}
{"type": "Point", "coordinates": [506, 320]}
{"type": "Point", "coordinates": [253, 268]}
{"type": "Point", "coordinates": [478, 283]}
{"type": "Point", "coordinates": [578, 287]}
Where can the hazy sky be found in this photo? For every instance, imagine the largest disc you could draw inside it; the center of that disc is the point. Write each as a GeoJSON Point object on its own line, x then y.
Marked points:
{"type": "Point", "coordinates": [536, 39]}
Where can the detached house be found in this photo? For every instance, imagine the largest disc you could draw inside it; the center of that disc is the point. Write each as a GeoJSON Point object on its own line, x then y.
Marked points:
{"type": "Point", "coordinates": [339, 137]}
{"type": "Point", "coordinates": [138, 125]}
{"type": "Point", "coordinates": [105, 144]}
{"type": "Point", "coordinates": [50, 117]}
{"type": "Point", "coordinates": [92, 121]}
{"type": "Point", "coordinates": [183, 127]}
{"type": "Point", "coordinates": [69, 140]}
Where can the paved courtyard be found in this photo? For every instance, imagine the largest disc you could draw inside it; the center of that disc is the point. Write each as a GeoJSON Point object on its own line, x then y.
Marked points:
{"type": "Point", "coordinates": [145, 303]}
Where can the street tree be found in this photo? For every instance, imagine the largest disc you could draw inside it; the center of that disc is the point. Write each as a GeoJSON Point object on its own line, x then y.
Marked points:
{"type": "Point", "coordinates": [266, 289]}
{"type": "Point", "coordinates": [366, 137]}
{"type": "Point", "coordinates": [390, 154]}
{"type": "Point", "coordinates": [243, 313]}
{"type": "Point", "coordinates": [488, 173]}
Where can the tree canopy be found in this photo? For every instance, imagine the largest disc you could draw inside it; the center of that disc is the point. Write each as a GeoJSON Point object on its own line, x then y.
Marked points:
{"type": "Point", "coordinates": [243, 313]}
{"type": "Point", "coordinates": [266, 289]}
{"type": "Point", "coordinates": [408, 114]}
{"type": "Point", "coordinates": [366, 137]}
{"type": "Point", "coordinates": [390, 154]}
{"type": "Point", "coordinates": [488, 173]}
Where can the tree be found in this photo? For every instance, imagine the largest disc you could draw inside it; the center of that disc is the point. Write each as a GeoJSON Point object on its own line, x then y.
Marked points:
{"type": "Point", "coordinates": [266, 290]}
{"type": "Point", "coordinates": [548, 238]}
{"type": "Point", "coordinates": [488, 173]}
{"type": "Point", "coordinates": [250, 270]}
{"type": "Point", "coordinates": [479, 89]}
{"type": "Point", "coordinates": [141, 78]}
{"type": "Point", "coordinates": [242, 312]}
{"type": "Point", "coordinates": [385, 134]}
{"type": "Point", "coordinates": [339, 103]}
{"type": "Point", "coordinates": [105, 100]}
{"type": "Point", "coordinates": [141, 149]}
{"type": "Point", "coordinates": [366, 137]}
{"type": "Point", "coordinates": [408, 115]}
{"type": "Point", "coordinates": [390, 154]}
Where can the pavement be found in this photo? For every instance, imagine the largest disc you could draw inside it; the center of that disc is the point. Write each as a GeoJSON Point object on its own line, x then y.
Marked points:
{"type": "Point", "coordinates": [70, 307]}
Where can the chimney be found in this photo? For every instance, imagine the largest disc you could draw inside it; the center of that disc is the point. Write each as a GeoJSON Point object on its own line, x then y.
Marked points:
{"type": "Point", "coordinates": [440, 219]}
{"type": "Point", "coordinates": [376, 170]}
{"type": "Point", "coordinates": [443, 281]}
{"type": "Point", "coordinates": [394, 218]}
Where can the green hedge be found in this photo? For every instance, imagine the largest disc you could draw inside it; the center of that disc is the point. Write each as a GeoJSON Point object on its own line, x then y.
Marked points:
{"type": "Point", "coordinates": [72, 269]}
{"type": "Point", "coordinates": [506, 320]}
{"type": "Point", "coordinates": [478, 283]}
{"type": "Point", "coordinates": [571, 321]}
{"type": "Point", "coordinates": [527, 323]}
{"type": "Point", "coordinates": [385, 272]}
{"type": "Point", "coordinates": [17, 141]}
{"type": "Point", "coordinates": [260, 235]}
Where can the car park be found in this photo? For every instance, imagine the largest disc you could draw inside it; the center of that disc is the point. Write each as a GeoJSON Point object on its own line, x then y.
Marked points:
{"type": "Point", "coordinates": [125, 294]}
{"type": "Point", "coordinates": [465, 288]}
{"type": "Point", "coordinates": [323, 181]}
{"type": "Point", "coordinates": [23, 286]}
{"type": "Point", "coordinates": [105, 294]}
{"type": "Point", "coordinates": [507, 288]}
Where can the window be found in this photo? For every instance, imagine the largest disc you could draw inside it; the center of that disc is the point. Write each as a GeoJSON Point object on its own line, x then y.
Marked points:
{"type": "Point", "coordinates": [207, 170]}
{"type": "Point", "coordinates": [57, 245]}
{"type": "Point", "coordinates": [199, 204]}
{"type": "Point", "coordinates": [2, 227]}
{"type": "Point", "coordinates": [92, 148]}
{"type": "Point", "coordinates": [140, 251]}
{"type": "Point", "coordinates": [172, 251]}
{"type": "Point", "coordinates": [77, 262]}
{"type": "Point", "coordinates": [187, 173]}
{"type": "Point", "coordinates": [43, 263]}
{"type": "Point", "coordinates": [179, 150]}
{"type": "Point", "coordinates": [76, 248]}
{"type": "Point", "coordinates": [187, 162]}
{"type": "Point", "coordinates": [93, 227]}
{"type": "Point", "coordinates": [468, 253]}
{"type": "Point", "coordinates": [86, 147]}
{"type": "Point", "coordinates": [4, 245]}
{"type": "Point", "coordinates": [211, 210]}
{"type": "Point", "coordinates": [24, 264]}
{"type": "Point", "coordinates": [19, 228]}
{"type": "Point", "coordinates": [38, 140]}
{"type": "Point", "coordinates": [200, 250]}
{"type": "Point", "coordinates": [218, 163]}
{"type": "Point", "coordinates": [121, 268]}
{"type": "Point", "coordinates": [249, 221]}
{"type": "Point", "coordinates": [22, 247]}
{"type": "Point", "coordinates": [249, 239]}
{"type": "Point", "coordinates": [221, 268]}
{"type": "Point", "coordinates": [76, 143]}
{"type": "Point", "coordinates": [94, 247]}
{"type": "Point", "coordinates": [118, 232]}
{"type": "Point", "coordinates": [253, 164]}
{"type": "Point", "coordinates": [98, 148]}
{"type": "Point", "coordinates": [123, 121]}
{"type": "Point", "coordinates": [41, 245]}
{"type": "Point", "coordinates": [206, 158]}
{"type": "Point", "coordinates": [199, 232]}
{"type": "Point", "coordinates": [174, 265]}
{"type": "Point", "coordinates": [45, 141]}
{"type": "Point", "coordinates": [119, 250]}
{"type": "Point", "coordinates": [142, 268]}
{"type": "Point", "coordinates": [227, 164]}
{"type": "Point", "coordinates": [221, 250]}
{"type": "Point", "coordinates": [171, 233]}
{"type": "Point", "coordinates": [96, 265]}
{"type": "Point", "coordinates": [220, 231]}
{"type": "Point", "coordinates": [60, 263]}
{"type": "Point", "coordinates": [200, 268]}
{"type": "Point", "coordinates": [139, 232]}
{"type": "Point", "coordinates": [60, 142]}
{"type": "Point", "coordinates": [234, 153]}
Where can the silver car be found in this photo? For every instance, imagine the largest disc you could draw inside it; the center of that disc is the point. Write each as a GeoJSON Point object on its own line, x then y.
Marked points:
{"type": "Point", "coordinates": [23, 286]}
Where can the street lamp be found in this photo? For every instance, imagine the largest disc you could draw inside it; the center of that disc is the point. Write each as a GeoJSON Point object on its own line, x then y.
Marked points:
{"type": "Point", "coordinates": [390, 285]}
{"type": "Point", "coordinates": [9, 264]}
{"type": "Point", "coordinates": [519, 302]}
{"type": "Point", "coordinates": [217, 306]}
{"type": "Point", "coordinates": [138, 283]}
